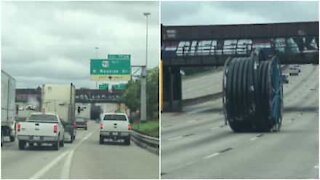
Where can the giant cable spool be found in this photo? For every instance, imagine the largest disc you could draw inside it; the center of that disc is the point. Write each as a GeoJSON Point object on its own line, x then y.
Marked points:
{"type": "Point", "coordinates": [253, 93]}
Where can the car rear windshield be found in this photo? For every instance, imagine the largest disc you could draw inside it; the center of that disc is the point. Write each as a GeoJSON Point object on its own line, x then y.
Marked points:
{"type": "Point", "coordinates": [80, 119]}
{"type": "Point", "coordinates": [43, 117]}
{"type": "Point", "coordinates": [114, 117]}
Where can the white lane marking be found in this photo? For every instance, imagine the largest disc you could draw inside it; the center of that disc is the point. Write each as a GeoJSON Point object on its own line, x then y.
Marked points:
{"type": "Point", "coordinates": [211, 155]}
{"type": "Point", "coordinates": [193, 121]}
{"type": "Point", "coordinates": [48, 166]}
{"type": "Point", "coordinates": [67, 166]}
{"type": "Point", "coordinates": [83, 139]}
{"type": "Point", "coordinates": [57, 159]}
{"type": "Point", "coordinates": [317, 167]}
{"type": "Point", "coordinates": [254, 138]}
{"type": "Point", "coordinates": [86, 137]}
{"type": "Point", "coordinates": [174, 138]}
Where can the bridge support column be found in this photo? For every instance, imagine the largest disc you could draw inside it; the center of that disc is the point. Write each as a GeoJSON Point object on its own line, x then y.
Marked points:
{"type": "Point", "coordinates": [172, 92]}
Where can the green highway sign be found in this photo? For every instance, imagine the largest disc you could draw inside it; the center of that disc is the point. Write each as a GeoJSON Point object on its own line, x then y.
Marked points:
{"type": "Point", "coordinates": [106, 67]}
{"type": "Point", "coordinates": [103, 86]}
{"type": "Point", "coordinates": [116, 68]}
{"type": "Point", "coordinates": [119, 87]}
{"type": "Point", "coordinates": [119, 57]}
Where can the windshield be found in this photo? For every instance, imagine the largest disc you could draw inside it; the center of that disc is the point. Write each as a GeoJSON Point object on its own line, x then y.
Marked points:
{"type": "Point", "coordinates": [80, 119]}
{"type": "Point", "coordinates": [114, 117]}
{"type": "Point", "coordinates": [42, 117]}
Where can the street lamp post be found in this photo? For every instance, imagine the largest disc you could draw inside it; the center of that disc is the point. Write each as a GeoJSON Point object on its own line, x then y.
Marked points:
{"type": "Point", "coordinates": [97, 48]}
{"type": "Point", "coordinates": [143, 98]}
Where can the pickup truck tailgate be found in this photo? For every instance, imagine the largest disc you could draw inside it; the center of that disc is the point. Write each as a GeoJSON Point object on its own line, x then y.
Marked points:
{"type": "Point", "coordinates": [115, 126]}
{"type": "Point", "coordinates": [37, 129]}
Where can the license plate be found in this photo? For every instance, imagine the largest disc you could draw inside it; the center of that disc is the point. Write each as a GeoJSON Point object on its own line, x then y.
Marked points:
{"type": "Point", "coordinates": [115, 133]}
{"type": "Point", "coordinates": [36, 138]}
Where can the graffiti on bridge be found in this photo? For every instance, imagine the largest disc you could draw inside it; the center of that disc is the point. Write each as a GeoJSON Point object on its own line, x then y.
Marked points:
{"type": "Point", "coordinates": [238, 46]}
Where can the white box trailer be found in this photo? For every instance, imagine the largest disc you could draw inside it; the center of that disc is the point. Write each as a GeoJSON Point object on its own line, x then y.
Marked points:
{"type": "Point", "coordinates": [8, 107]}
{"type": "Point", "coordinates": [60, 99]}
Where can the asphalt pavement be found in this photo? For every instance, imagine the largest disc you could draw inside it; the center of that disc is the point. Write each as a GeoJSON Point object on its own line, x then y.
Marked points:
{"type": "Point", "coordinates": [196, 143]}
{"type": "Point", "coordinates": [197, 85]}
{"type": "Point", "coordinates": [84, 159]}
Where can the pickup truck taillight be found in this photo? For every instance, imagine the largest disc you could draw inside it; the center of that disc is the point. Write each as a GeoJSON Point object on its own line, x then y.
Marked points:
{"type": "Point", "coordinates": [55, 128]}
{"type": "Point", "coordinates": [129, 127]}
{"type": "Point", "coordinates": [18, 127]}
{"type": "Point", "coordinates": [101, 126]}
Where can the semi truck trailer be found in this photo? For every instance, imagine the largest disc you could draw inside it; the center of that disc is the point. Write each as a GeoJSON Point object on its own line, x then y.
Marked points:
{"type": "Point", "coordinates": [8, 107]}
{"type": "Point", "coordinates": [60, 99]}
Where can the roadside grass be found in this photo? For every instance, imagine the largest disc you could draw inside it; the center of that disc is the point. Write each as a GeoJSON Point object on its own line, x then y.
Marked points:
{"type": "Point", "coordinates": [150, 127]}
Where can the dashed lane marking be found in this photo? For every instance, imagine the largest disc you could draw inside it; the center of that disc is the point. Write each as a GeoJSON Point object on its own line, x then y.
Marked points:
{"type": "Point", "coordinates": [259, 135]}
{"type": "Point", "coordinates": [65, 174]}
{"type": "Point", "coordinates": [67, 164]}
{"type": "Point", "coordinates": [225, 150]}
{"type": "Point", "coordinates": [211, 156]}
{"type": "Point", "coordinates": [254, 138]}
{"type": "Point", "coordinates": [187, 135]}
{"type": "Point", "coordinates": [48, 166]}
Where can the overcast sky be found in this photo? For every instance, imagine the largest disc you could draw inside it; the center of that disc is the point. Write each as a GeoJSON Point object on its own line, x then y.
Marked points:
{"type": "Point", "coordinates": [204, 13]}
{"type": "Point", "coordinates": [52, 42]}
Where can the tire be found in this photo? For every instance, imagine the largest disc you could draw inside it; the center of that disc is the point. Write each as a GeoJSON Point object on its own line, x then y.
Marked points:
{"type": "Point", "coordinates": [22, 145]}
{"type": "Point", "coordinates": [127, 141]}
{"type": "Point", "coordinates": [12, 138]}
{"type": "Point", "coordinates": [73, 137]}
{"type": "Point", "coordinates": [56, 145]}
{"type": "Point", "coordinates": [85, 128]}
{"type": "Point", "coordinates": [101, 140]}
{"type": "Point", "coordinates": [62, 142]}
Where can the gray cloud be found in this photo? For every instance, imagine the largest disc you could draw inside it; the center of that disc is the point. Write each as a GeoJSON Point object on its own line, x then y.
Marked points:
{"type": "Point", "coordinates": [196, 13]}
{"type": "Point", "coordinates": [52, 42]}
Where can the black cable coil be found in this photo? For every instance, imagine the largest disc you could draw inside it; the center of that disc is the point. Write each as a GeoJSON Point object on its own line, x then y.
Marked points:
{"type": "Point", "coordinates": [253, 93]}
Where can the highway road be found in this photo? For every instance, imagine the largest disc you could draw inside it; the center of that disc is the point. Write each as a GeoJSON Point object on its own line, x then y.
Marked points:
{"type": "Point", "coordinates": [197, 85]}
{"type": "Point", "coordinates": [197, 144]}
{"type": "Point", "coordinates": [84, 159]}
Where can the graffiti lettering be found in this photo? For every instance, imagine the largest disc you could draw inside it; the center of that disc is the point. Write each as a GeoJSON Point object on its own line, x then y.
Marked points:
{"type": "Point", "coordinates": [238, 46]}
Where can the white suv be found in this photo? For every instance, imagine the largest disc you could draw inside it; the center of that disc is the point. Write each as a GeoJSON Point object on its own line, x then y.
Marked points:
{"type": "Point", "coordinates": [115, 126]}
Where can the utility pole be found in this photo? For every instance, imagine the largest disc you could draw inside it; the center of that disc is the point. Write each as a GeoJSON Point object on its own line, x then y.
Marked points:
{"type": "Point", "coordinates": [143, 95]}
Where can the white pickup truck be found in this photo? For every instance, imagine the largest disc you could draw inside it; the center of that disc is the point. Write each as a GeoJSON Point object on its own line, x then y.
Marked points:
{"type": "Point", "coordinates": [115, 126]}
{"type": "Point", "coordinates": [41, 128]}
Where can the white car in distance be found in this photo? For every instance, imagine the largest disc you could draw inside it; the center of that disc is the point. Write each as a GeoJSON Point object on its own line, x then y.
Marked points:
{"type": "Point", "coordinates": [294, 71]}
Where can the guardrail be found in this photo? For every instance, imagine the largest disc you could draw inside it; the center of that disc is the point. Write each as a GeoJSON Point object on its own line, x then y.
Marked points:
{"type": "Point", "coordinates": [147, 142]}
{"type": "Point", "coordinates": [201, 99]}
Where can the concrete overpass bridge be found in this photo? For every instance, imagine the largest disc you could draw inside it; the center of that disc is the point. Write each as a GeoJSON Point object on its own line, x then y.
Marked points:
{"type": "Point", "coordinates": [82, 96]}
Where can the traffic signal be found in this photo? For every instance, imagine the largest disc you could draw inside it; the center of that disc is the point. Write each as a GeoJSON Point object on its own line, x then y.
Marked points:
{"type": "Point", "coordinates": [79, 109]}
